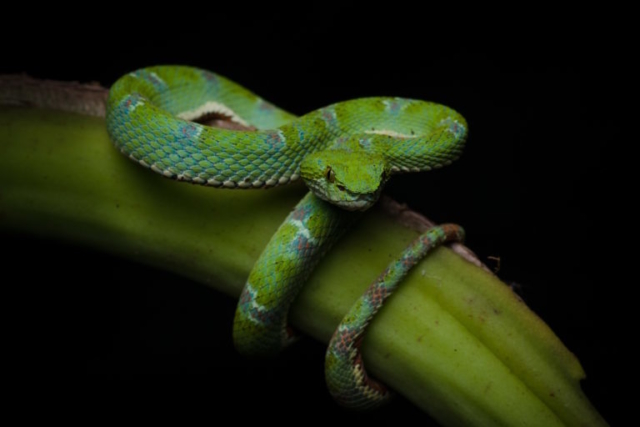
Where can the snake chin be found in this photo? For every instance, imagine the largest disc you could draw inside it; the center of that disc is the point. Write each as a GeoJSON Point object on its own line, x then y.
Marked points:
{"type": "Point", "coordinates": [355, 205]}
{"type": "Point", "coordinates": [350, 205]}
{"type": "Point", "coordinates": [343, 198]}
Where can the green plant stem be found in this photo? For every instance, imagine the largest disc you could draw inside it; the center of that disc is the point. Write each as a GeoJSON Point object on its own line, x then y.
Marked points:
{"type": "Point", "coordinates": [454, 339]}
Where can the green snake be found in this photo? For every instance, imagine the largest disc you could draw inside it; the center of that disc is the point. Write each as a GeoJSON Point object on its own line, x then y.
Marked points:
{"type": "Point", "coordinates": [344, 152]}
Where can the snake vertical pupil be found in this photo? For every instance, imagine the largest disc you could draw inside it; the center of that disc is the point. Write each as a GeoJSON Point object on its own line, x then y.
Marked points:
{"type": "Point", "coordinates": [330, 174]}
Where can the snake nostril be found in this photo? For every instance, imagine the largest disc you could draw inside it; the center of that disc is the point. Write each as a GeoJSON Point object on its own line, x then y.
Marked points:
{"type": "Point", "coordinates": [341, 187]}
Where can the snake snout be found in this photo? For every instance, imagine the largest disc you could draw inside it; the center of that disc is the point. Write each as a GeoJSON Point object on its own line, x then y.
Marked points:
{"type": "Point", "coordinates": [352, 181]}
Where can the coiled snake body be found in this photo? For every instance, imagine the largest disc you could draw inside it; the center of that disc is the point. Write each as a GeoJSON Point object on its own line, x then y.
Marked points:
{"type": "Point", "coordinates": [344, 153]}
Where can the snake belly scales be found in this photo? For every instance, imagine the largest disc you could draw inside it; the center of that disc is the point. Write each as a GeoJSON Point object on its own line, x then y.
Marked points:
{"type": "Point", "coordinates": [344, 153]}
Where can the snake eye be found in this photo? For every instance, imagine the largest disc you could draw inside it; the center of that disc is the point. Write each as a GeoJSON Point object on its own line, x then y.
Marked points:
{"type": "Point", "coordinates": [330, 174]}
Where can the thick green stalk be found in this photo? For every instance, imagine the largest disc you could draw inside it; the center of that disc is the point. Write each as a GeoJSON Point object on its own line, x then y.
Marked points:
{"type": "Point", "coordinates": [454, 339]}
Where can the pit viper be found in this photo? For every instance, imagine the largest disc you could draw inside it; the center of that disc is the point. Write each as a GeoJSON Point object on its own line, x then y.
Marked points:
{"type": "Point", "coordinates": [344, 153]}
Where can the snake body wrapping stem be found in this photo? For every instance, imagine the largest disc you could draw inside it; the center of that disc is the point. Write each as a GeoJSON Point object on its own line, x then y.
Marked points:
{"type": "Point", "coordinates": [344, 152]}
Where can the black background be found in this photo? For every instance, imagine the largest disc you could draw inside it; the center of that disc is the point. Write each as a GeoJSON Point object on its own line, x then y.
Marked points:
{"type": "Point", "coordinates": [534, 188]}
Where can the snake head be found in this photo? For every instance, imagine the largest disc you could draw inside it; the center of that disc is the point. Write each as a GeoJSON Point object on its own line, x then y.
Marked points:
{"type": "Point", "coordinates": [352, 181]}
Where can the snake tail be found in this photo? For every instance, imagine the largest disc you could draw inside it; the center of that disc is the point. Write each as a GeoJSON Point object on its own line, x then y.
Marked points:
{"type": "Point", "coordinates": [347, 380]}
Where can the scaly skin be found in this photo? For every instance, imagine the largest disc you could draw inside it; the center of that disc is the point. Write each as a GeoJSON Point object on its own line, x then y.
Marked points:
{"type": "Point", "coordinates": [344, 152]}
{"type": "Point", "coordinates": [347, 379]}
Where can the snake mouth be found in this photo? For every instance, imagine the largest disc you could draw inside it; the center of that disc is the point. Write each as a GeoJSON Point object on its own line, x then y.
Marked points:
{"type": "Point", "coordinates": [355, 205]}
{"type": "Point", "coordinates": [346, 200]}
